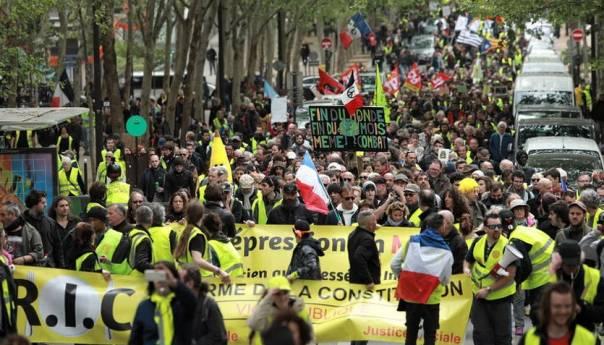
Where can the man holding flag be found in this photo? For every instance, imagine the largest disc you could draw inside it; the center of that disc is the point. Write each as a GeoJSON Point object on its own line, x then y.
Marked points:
{"type": "Point", "coordinates": [424, 267]}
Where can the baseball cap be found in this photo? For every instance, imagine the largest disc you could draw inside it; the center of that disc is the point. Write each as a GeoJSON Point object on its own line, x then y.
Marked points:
{"type": "Point", "coordinates": [570, 252]}
{"type": "Point", "coordinates": [368, 184]}
{"type": "Point", "coordinates": [246, 181]}
{"type": "Point", "coordinates": [412, 187]}
{"type": "Point", "coordinates": [401, 177]}
{"type": "Point", "coordinates": [302, 225]}
{"type": "Point", "coordinates": [279, 282]}
{"type": "Point", "coordinates": [290, 188]}
{"type": "Point", "coordinates": [236, 138]}
{"type": "Point", "coordinates": [517, 203]}
{"type": "Point", "coordinates": [578, 204]}
{"type": "Point", "coordinates": [333, 166]}
{"type": "Point", "coordinates": [98, 213]}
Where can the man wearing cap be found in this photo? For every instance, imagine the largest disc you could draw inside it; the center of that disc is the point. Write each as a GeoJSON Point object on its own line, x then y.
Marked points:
{"type": "Point", "coordinates": [491, 310]}
{"type": "Point", "coordinates": [265, 201]}
{"type": "Point", "coordinates": [305, 263]}
{"type": "Point", "coordinates": [591, 200]}
{"type": "Point", "coordinates": [179, 177]}
{"type": "Point", "coordinates": [577, 227]}
{"type": "Point", "coordinates": [381, 190]}
{"type": "Point", "coordinates": [291, 209]}
{"type": "Point", "coordinates": [586, 282]}
{"type": "Point", "coordinates": [411, 193]}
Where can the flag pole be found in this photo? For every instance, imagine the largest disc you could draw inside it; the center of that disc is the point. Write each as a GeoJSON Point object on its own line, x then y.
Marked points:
{"type": "Point", "coordinates": [307, 155]}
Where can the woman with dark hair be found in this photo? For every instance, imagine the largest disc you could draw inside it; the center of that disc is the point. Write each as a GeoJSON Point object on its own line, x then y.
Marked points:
{"type": "Point", "coordinates": [291, 326]}
{"type": "Point", "coordinates": [59, 211]}
{"type": "Point", "coordinates": [213, 204]}
{"type": "Point", "coordinates": [176, 208]}
{"type": "Point", "coordinates": [456, 203]}
{"type": "Point", "coordinates": [166, 316]}
{"type": "Point", "coordinates": [557, 320]}
{"type": "Point", "coordinates": [224, 254]}
{"type": "Point", "coordinates": [82, 256]}
{"type": "Point", "coordinates": [193, 246]}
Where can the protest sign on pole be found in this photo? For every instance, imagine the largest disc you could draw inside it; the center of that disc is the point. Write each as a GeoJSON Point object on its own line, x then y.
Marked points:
{"type": "Point", "coordinates": [278, 109]}
{"type": "Point", "coordinates": [333, 129]}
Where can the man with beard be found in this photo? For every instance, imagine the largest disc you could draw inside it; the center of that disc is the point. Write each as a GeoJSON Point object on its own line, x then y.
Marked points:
{"type": "Point", "coordinates": [577, 227]}
{"type": "Point", "coordinates": [47, 228]}
{"type": "Point", "coordinates": [305, 263]}
{"type": "Point", "coordinates": [291, 209]}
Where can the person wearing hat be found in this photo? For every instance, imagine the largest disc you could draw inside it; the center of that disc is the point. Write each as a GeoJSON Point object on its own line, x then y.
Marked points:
{"type": "Point", "coordinates": [381, 189]}
{"type": "Point", "coordinates": [291, 209]}
{"type": "Point", "coordinates": [305, 263]}
{"type": "Point", "coordinates": [118, 192]}
{"type": "Point", "coordinates": [577, 227]}
{"type": "Point", "coordinates": [586, 282]}
{"type": "Point", "coordinates": [491, 309]}
{"type": "Point", "coordinates": [591, 200]}
{"type": "Point", "coordinates": [267, 198]}
{"type": "Point", "coordinates": [411, 193]}
{"type": "Point", "coordinates": [521, 213]}
{"type": "Point", "coordinates": [70, 179]}
{"type": "Point", "coordinates": [97, 217]}
{"type": "Point", "coordinates": [179, 177]}
{"type": "Point", "coordinates": [247, 192]}
{"type": "Point", "coordinates": [276, 299]}
{"type": "Point", "coordinates": [368, 193]}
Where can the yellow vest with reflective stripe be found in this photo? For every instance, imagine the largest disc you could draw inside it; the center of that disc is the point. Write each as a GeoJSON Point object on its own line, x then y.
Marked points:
{"type": "Point", "coordinates": [160, 235]}
{"type": "Point", "coordinates": [414, 218]}
{"type": "Point", "coordinates": [9, 303]}
{"type": "Point", "coordinates": [481, 270]}
{"type": "Point", "coordinates": [69, 143]}
{"type": "Point", "coordinates": [82, 258]}
{"type": "Point", "coordinates": [118, 192]}
{"type": "Point", "coordinates": [188, 258]}
{"type": "Point", "coordinates": [109, 244]}
{"type": "Point", "coordinates": [68, 185]}
{"type": "Point", "coordinates": [93, 204]}
{"type": "Point", "coordinates": [201, 192]}
{"type": "Point", "coordinates": [259, 208]}
{"type": "Point", "coordinates": [542, 247]}
{"type": "Point", "coordinates": [228, 257]}
{"type": "Point", "coordinates": [30, 138]}
{"type": "Point", "coordinates": [582, 336]}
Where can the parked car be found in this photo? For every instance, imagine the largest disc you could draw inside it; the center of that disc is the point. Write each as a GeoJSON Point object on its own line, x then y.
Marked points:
{"type": "Point", "coordinates": [422, 47]}
{"type": "Point", "coordinates": [553, 127]}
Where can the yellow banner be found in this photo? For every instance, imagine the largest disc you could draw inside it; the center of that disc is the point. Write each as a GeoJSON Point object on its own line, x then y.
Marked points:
{"type": "Point", "coordinates": [60, 306]}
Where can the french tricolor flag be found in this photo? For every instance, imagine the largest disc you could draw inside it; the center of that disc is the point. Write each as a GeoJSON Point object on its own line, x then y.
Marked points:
{"type": "Point", "coordinates": [428, 263]}
{"type": "Point", "coordinates": [311, 189]}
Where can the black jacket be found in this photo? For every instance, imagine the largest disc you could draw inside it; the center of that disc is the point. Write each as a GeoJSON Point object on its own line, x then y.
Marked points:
{"type": "Point", "coordinates": [51, 238]}
{"type": "Point", "coordinates": [177, 180]}
{"type": "Point", "coordinates": [150, 178]}
{"type": "Point", "coordinates": [458, 247]}
{"type": "Point", "coordinates": [591, 314]}
{"type": "Point", "coordinates": [363, 257]}
{"type": "Point", "coordinates": [7, 324]}
{"type": "Point", "coordinates": [208, 325]}
{"type": "Point", "coordinates": [305, 259]}
{"type": "Point", "coordinates": [227, 218]}
{"type": "Point", "coordinates": [284, 214]}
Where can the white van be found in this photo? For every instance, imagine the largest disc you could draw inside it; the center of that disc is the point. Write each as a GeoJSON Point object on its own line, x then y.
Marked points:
{"type": "Point", "coordinates": [543, 88]}
{"type": "Point", "coordinates": [545, 67]}
{"type": "Point", "coordinates": [574, 155]}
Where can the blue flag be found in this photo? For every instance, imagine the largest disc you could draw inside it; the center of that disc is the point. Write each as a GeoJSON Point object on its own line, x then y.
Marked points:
{"type": "Point", "coordinates": [269, 91]}
{"type": "Point", "coordinates": [361, 24]}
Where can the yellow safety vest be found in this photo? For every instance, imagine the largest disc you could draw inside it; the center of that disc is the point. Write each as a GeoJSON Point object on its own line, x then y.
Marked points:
{"type": "Point", "coordinates": [117, 154]}
{"type": "Point", "coordinates": [160, 235]}
{"type": "Point", "coordinates": [259, 208]}
{"type": "Point", "coordinates": [68, 185]}
{"type": "Point", "coordinates": [118, 192]}
{"type": "Point", "coordinates": [591, 279]}
{"type": "Point", "coordinates": [582, 336]}
{"type": "Point", "coordinates": [93, 204]}
{"type": "Point", "coordinates": [82, 258]}
{"type": "Point", "coordinates": [200, 193]}
{"type": "Point", "coordinates": [30, 138]}
{"type": "Point", "coordinates": [188, 258]}
{"type": "Point", "coordinates": [108, 246]}
{"type": "Point", "coordinates": [587, 96]}
{"type": "Point", "coordinates": [414, 218]}
{"type": "Point", "coordinates": [228, 258]}
{"type": "Point", "coordinates": [542, 247]}
{"type": "Point", "coordinates": [9, 303]}
{"type": "Point", "coordinates": [69, 144]}
{"type": "Point", "coordinates": [594, 223]}
{"type": "Point", "coordinates": [481, 270]}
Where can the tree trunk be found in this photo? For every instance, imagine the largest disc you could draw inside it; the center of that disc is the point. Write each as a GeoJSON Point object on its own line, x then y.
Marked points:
{"type": "Point", "coordinates": [147, 76]}
{"type": "Point", "coordinates": [238, 45]}
{"type": "Point", "coordinates": [228, 48]}
{"type": "Point", "coordinates": [129, 62]}
{"type": "Point", "coordinates": [62, 40]}
{"type": "Point", "coordinates": [200, 95]}
{"type": "Point", "coordinates": [168, 52]}
{"type": "Point", "coordinates": [320, 21]}
{"type": "Point", "coordinates": [183, 38]}
{"type": "Point", "coordinates": [189, 86]}
{"type": "Point", "coordinates": [110, 69]}
{"type": "Point", "coordinates": [252, 49]}
{"type": "Point", "coordinates": [269, 50]}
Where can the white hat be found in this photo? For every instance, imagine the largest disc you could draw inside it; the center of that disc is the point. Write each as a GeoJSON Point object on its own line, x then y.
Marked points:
{"type": "Point", "coordinates": [246, 181]}
{"type": "Point", "coordinates": [291, 155]}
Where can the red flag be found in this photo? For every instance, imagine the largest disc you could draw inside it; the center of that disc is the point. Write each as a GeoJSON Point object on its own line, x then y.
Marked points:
{"type": "Point", "coordinates": [326, 80]}
{"type": "Point", "coordinates": [414, 79]}
{"type": "Point", "coordinates": [439, 80]}
{"type": "Point", "coordinates": [352, 99]}
{"type": "Point", "coordinates": [346, 39]}
{"type": "Point", "coordinates": [351, 73]}
{"type": "Point", "coordinates": [392, 84]}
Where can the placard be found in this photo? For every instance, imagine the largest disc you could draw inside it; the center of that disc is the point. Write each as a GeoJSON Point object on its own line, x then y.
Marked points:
{"type": "Point", "coordinates": [278, 109]}
{"type": "Point", "coordinates": [333, 129]}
